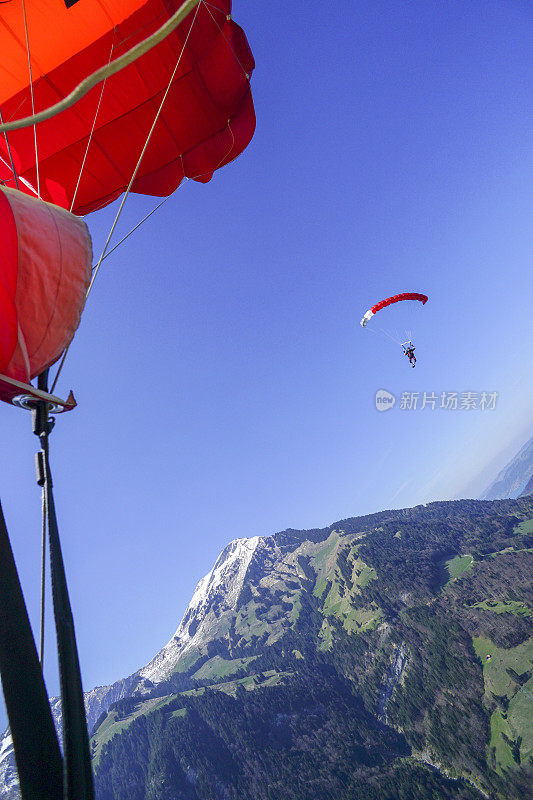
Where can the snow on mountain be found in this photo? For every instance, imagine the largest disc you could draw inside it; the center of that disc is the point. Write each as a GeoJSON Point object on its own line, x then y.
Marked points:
{"type": "Point", "coordinates": [219, 589]}
{"type": "Point", "coordinates": [8, 770]}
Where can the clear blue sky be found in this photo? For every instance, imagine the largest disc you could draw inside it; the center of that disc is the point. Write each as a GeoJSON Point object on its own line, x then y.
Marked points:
{"type": "Point", "coordinates": [225, 386]}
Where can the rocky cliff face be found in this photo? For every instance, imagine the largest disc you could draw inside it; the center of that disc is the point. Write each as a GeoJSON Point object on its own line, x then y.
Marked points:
{"type": "Point", "coordinates": [212, 606]}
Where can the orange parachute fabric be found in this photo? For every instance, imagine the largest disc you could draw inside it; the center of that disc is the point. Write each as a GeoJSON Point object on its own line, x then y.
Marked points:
{"type": "Point", "coordinates": [206, 121]}
{"type": "Point", "coordinates": [45, 269]}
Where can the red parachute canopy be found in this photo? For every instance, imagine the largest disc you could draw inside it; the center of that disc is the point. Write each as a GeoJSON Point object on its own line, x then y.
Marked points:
{"type": "Point", "coordinates": [395, 299]}
{"type": "Point", "coordinates": [45, 269]}
{"type": "Point", "coordinates": [206, 121]}
{"type": "Point", "coordinates": [88, 153]}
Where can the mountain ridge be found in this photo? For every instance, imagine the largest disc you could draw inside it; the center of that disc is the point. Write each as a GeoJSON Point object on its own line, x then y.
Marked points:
{"type": "Point", "coordinates": [513, 479]}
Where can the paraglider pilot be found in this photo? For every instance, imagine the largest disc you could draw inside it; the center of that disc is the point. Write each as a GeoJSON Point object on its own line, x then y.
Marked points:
{"type": "Point", "coordinates": [409, 351]}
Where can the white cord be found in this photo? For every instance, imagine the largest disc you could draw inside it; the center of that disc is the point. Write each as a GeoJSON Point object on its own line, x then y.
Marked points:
{"type": "Point", "coordinates": [91, 133]}
{"type": "Point", "coordinates": [32, 98]}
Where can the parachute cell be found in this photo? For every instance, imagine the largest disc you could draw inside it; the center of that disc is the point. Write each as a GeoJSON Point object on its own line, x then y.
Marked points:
{"type": "Point", "coordinates": [389, 301]}
{"type": "Point", "coordinates": [207, 118]}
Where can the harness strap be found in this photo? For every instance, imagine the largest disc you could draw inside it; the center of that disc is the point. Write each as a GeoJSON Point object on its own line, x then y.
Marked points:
{"type": "Point", "coordinates": [78, 779]}
{"type": "Point", "coordinates": [37, 753]}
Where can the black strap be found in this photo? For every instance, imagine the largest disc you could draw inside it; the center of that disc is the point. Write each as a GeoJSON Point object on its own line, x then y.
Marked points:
{"type": "Point", "coordinates": [35, 742]}
{"type": "Point", "coordinates": [77, 756]}
{"type": "Point", "coordinates": [78, 778]}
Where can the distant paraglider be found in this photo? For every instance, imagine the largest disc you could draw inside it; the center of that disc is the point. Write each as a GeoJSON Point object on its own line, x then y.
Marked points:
{"type": "Point", "coordinates": [408, 346]}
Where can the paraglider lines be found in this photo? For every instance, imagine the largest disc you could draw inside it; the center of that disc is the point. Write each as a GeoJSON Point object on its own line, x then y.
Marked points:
{"type": "Point", "coordinates": [43, 577]}
{"type": "Point", "coordinates": [377, 329]}
{"type": "Point", "coordinates": [158, 206]}
{"type": "Point", "coordinates": [92, 131]}
{"type": "Point", "coordinates": [32, 97]}
{"type": "Point", "coordinates": [208, 8]}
